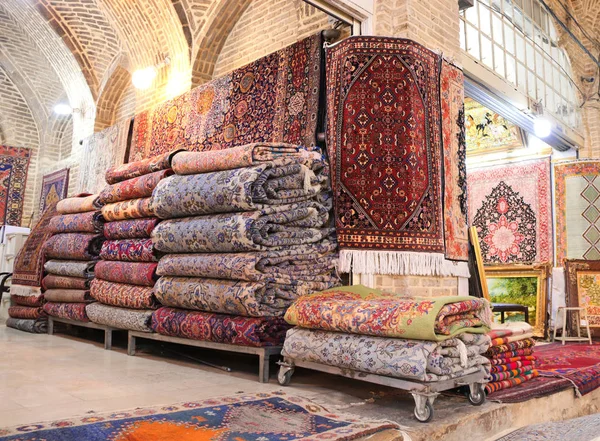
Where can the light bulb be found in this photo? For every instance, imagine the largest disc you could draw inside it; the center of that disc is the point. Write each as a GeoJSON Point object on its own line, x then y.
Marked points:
{"type": "Point", "coordinates": [542, 128]}
{"type": "Point", "coordinates": [143, 78]}
{"type": "Point", "coordinates": [63, 109]}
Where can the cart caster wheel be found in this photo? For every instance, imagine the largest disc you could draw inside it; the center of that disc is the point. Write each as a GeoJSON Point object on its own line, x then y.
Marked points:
{"type": "Point", "coordinates": [427, 413]}
{"type": "Point", "coordinates": [285, 376]}
{"type": "Point", "coordinates": [478, 398]}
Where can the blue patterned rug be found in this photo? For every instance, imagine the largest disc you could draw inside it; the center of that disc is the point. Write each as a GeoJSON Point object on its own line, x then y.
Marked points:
{"type": "Point", "coordinates": [260, 417]}
{"type": "Point", "coordinates": [586, 428]}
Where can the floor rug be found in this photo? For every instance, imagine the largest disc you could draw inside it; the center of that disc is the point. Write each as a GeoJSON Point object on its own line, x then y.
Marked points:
{"type": "Point", "coordinates": [14, 165]}
{"type": "Point", "coordinates": [511, 207]}
{"type": "Point", "coordinates": [272, 99]}
{"type": "Point", "coordinates": [579, 363]}
{"type": "Point", "coordinates": [101, 151]}
{"type": "Point", "coordinates": [55, 187]}
{"type": "Point", "coordinates": [581, 429]}
{"type": "Point", "coordinates": [577, 201]}
{"type": "Point", "coordinates": [383, 96]}
{"type": "Point", "coordinates": [260, 417]}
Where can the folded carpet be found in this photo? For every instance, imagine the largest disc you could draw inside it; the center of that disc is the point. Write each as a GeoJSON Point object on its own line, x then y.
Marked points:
{"type": "Point", "coordinates": [240, 232]}
{"type": "Point", "coordinates": [52, 281]}
{"type": "Point", "coordinates": [130, 228]}
{"type": "Point", "coordinates": [241, 189]}
{"type": "Point", "coordinates": [76, 246]}
{"type": "Point", "coordinates": [190, 163]}
{"type": "Point", "coordinates": [68, 296]}
{"type": "Point", "coordinates": [361, 310]}
{"type": "Point", "coordinates": [130, 250]}
{"type": "Point", "coordinates": [315, 262]}
{"type": "Point", "coordinates": [33, 300]}
{"type": "Point", "coordinates": [511, 365]}
{"type": "Point", "coordinates": [123, 318]}
{"type": "Point", "coordinates": [511, 347]}
{"type": "Point", "coordinates": [513, 373]}
{"type": "Point", "coordinates": [509, 339]}
{"type": "Point", "coordinates": [220, 328]}
{"type": "Point", "coordinates": [134, 188]}
{"type": "Point", "coordinates": [89, 222]}
{"type": "Point", "coordinates": [394, 357]}
{"type": "Point", "coordinates": [71, 311]}
{"type": "Point", "coordinates": [71, 268]}
{"type": "Point", "coordinates": [131, 209]}
{"type": "Point", "coordinates": [502, 361]}
{"type": "Point", "coordinates": [502, 356]}
{"type": "Point", "coordinates": [39, 326]}
{"type": "Point", "coordinates": [511, 382]}
{"type": "Point", "coordinates": [123, 295]}
{"type": "Point", "coordinates": [139, 168]}
{"type": "Point", "coordinates": [252, 299]}
{"type": "Point", "coordinates": [134, 273]}
{"type": "Point", "coordinates": [78, 204]}
{"type": "Point", "coordinates": [26, 312]}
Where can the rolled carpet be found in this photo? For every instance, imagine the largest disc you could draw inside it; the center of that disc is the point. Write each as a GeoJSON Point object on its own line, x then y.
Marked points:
{"type": "Point", "coordinates": [251, 299]}
{"type": "Point", "coordinates": [123, 318]}
{"type": "Point", "coordinates": [134, 188]}
{"type": "Point", "coordinates": [242, 189]}
{"type": "Point", "coordinates": [220, 328]}
{"type": "Point", "coordinates": [123, 295]}
{"type": "Point", "coordinates": [33, 300]}
{"type": "Point", "coordinates": [71, 311]}
{"type": "Point", "coordinates": [315, 262]}
{"type": "Point", "coordinates": [131, 209]}
{"type": "Point", "coordinates": [130, 228]}
{"type": "Point", "coordinates": [78, 204]}
{"type": "Point", "coordinates": [68, 296]}
{"type": "Point", "coordinates": [52, 281]}
{"type": "Point", "coordinates": [390, 315]}
{"type": "Point", "coordinates": [139, 168]}
{"type": "Point", "coordinates": [190, 163]}
{"type": "Point", "coordinates": [135, 273]}
{"type": "Point", "coordinates": [89, 222]}
{"type": "Point", "coordinates": [39, 326]}
{"type": "Point", "coordinates": [240, 232]}
{"type": "Point", "coordinates": [394, 357]}
{"type": "Point", "coordinates": [130, 250]}
{"type": "Point", "coordinates": [76, 246]}
{"type": "Point", "coordinates": [26, 312]}
{"type": "Point", "coordinates": [71, 268]}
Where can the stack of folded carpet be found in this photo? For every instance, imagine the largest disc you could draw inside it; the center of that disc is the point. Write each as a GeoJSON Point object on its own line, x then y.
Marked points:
{"type": "Point", "coordinates": [511, 355]}
{"type": "Point", "coordinates": [26, 287]}
{"type": "Point", "coordinates": [246, 234]}
{"type": "Point", "coordinates": [125, 277]}
{"type": "Point", "coordinates": [367, 330]}
{"type": "Point", "coordinates": [71, 254]}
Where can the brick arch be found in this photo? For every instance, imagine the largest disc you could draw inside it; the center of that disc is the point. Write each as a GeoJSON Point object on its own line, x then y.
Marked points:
{"type": "Point", "coordinates": [110, 99]}
{"type": "Point", "coordinates": [181, 9]}
{"type": "Point", "coordinates": [222, 17]}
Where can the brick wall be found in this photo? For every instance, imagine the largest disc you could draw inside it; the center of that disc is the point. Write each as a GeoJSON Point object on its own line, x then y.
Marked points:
{"type": "Point", "coordinates": [265, 27]}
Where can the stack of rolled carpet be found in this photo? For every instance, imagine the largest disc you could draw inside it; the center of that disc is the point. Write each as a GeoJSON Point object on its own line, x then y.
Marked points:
{"type": "Point", "coordinates": [246, 234]}
{"type": "Point", "coordinates": [27, 313]}
{"type": "Point", "coordinates": [71, 254]}
{"type": "Point", "coordinates": [125, 277]}
{"type": "Point", "coordinates": [511, 355]}
{"type": "Point", "coordinates": [367, 330]}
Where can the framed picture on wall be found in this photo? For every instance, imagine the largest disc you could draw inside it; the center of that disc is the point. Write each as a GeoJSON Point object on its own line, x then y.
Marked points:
{"type": "Point", "coordinates": [583, 287]}
{"type": "Point", "coordinates": [525, 285]}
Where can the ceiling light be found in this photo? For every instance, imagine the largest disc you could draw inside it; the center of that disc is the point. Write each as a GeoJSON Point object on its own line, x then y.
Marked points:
{"type": "Point", "coordinates": [542, 128]}
{"type": "Point", "coordinates": [63, 109]}
{"type": "Point", "coordinates": [143, 78]}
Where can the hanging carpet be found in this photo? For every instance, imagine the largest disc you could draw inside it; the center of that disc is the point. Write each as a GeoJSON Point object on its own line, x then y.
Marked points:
{"type": "Point", "coordinates": [55, 187]}
{"type": "Point", "coordinates": [14, 166]}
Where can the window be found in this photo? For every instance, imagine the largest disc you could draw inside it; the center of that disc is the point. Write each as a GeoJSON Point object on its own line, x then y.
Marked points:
{"type": "Point", "coordinates": [516, 39]}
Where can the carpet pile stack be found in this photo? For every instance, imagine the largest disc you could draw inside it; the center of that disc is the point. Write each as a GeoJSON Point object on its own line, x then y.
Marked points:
{"type": "Point", "coordinates": [511, 356]}
{"type": "Point", "coordinates": [71, 254]}
{"type": "Point", "coordinates": [367, 330]}
{"type": "Point", "coordinates": [245, 232]}
{"type": "Point", "coordinates": [125, 277]}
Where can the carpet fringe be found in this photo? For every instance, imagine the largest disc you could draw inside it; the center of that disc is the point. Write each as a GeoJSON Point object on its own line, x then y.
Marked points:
{"type": "Point", "coordinates": [24, 290]}
{"type": "Point", "coordinates": [402, 263]}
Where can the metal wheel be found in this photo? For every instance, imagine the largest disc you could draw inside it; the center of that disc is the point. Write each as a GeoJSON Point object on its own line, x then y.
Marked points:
{"type": "Point", "coordinates": [284, 377]}
{"type": "Point", "coordinates": [427, 413]}
{"type": "Point", "coordinates": [477, 395]}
